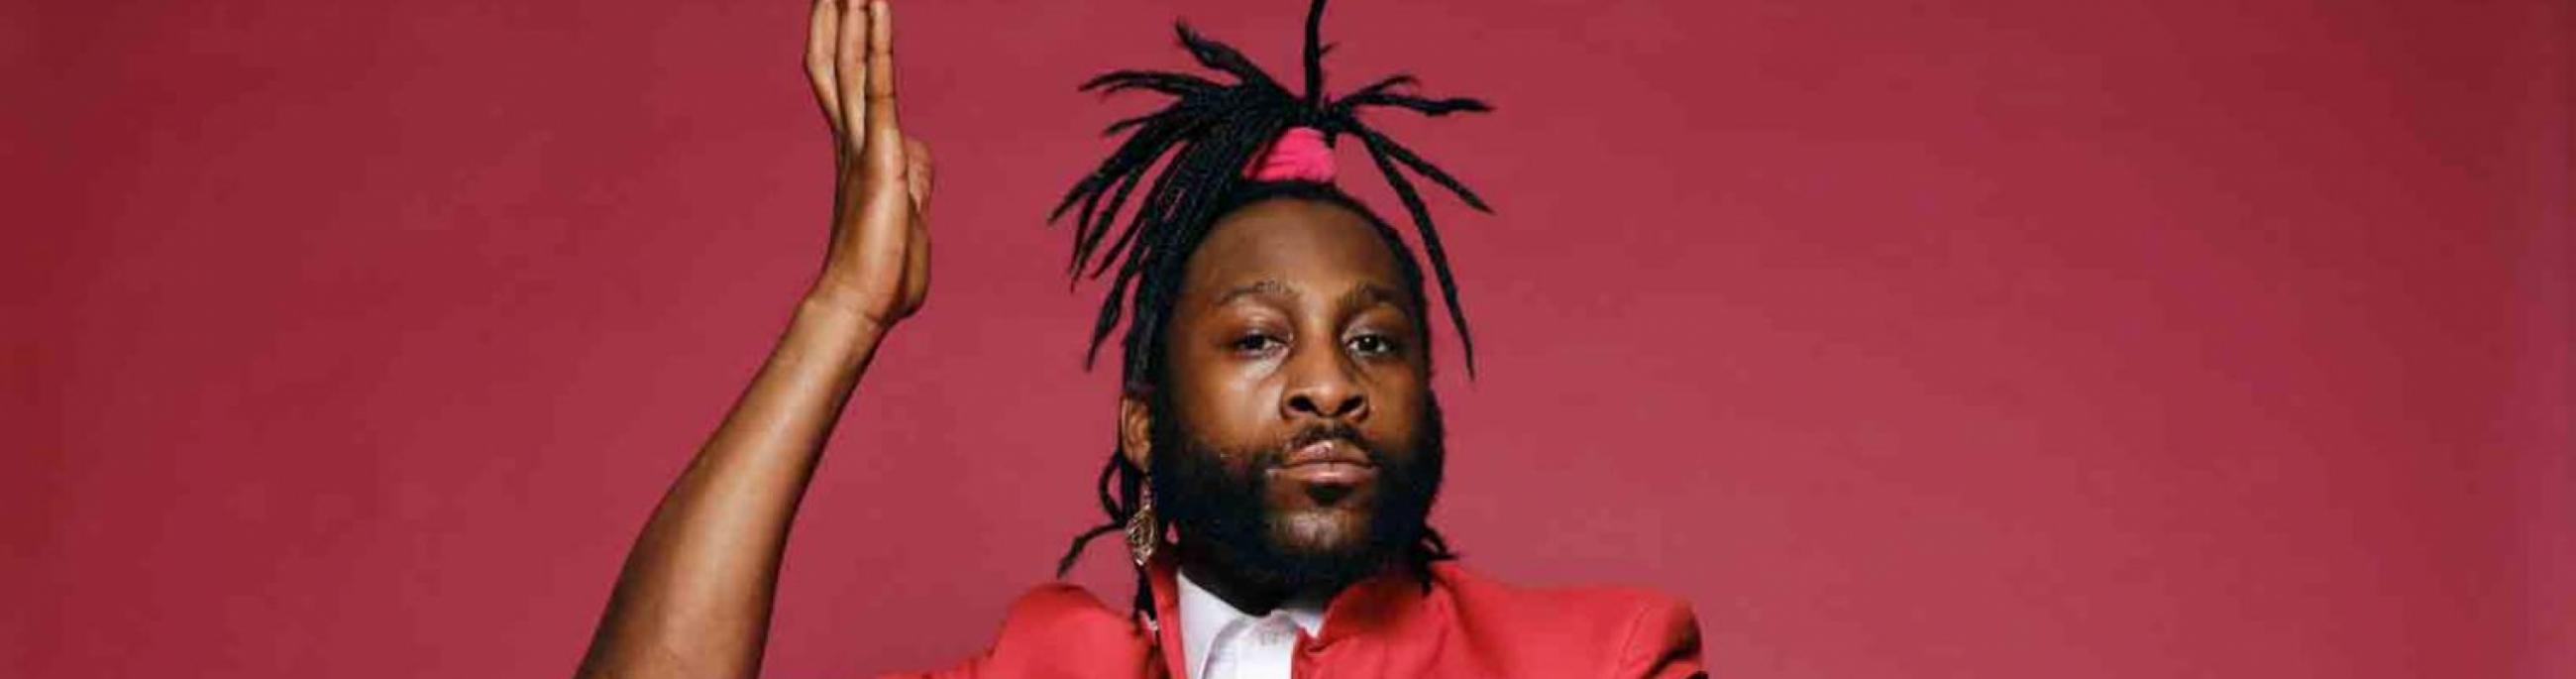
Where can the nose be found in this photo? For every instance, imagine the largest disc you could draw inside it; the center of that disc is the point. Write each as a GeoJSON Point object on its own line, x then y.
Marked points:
{"type": "Point", "coordinates": [1321, 386]}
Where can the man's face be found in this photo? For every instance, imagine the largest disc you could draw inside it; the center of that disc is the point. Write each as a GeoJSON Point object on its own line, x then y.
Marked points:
{"type": "Point", "coordinates": [1295, 437]}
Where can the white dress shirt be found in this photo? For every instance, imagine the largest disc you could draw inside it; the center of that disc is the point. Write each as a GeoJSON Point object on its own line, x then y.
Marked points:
{"type": "Point", "coordinates": [1224, 643]}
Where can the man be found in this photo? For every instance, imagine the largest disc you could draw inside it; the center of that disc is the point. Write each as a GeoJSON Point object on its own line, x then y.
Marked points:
{"type": "Point", "coordinates": [1279, 444]}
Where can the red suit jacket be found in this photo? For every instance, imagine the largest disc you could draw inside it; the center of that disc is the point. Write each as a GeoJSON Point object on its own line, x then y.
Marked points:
{"type": "Point", "coordinates": [1465, 625]}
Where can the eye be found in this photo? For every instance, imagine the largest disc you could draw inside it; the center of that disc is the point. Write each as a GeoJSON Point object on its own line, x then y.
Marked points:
{"type": "Point", "coordinates": [1372, 345]}
{"type": "Point", "coordinates": [1255, 343]}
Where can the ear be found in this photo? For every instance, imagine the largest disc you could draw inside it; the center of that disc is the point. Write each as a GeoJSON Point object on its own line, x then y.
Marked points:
{"type": "Point", "coordinates": [1136, 430]}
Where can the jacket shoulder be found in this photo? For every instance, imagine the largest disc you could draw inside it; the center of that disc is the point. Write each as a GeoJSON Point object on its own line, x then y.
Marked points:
{"type": "Point", "coordinates": [1575, 631]}
{"type": "Point", "coordinates": [1060, 630]}
{"type": "Point", "coordinates": [1061, 604]}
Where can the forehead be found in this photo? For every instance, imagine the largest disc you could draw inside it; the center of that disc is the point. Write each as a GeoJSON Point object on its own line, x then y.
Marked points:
{"type": "Point", "coordinates": [1305, 244]}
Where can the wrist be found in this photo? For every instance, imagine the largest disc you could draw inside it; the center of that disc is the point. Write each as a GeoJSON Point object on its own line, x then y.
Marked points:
{"type": "Point", "coordinates": [838, 305]}
{"type": "Point", "coordinates": [835, 317]}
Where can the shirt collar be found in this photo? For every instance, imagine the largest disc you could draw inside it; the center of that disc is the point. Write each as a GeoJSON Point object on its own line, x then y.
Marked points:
{"type": "Point", "coordinates": [1204, 617]}
{"type": "Point", "coordinates": [1372, 606]}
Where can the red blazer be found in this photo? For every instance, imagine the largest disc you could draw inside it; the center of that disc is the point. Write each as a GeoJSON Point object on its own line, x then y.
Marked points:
{"type": "Point", "coordinates": [1466, 625]}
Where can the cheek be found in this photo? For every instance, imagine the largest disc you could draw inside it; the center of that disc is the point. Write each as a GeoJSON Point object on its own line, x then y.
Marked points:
{"type": "Point", "coordinates": [1232, 413]}
{"type": "Point", "coordinates": [1401, 404]}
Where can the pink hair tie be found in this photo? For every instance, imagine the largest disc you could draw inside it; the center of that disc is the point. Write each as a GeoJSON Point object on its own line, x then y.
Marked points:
{"type": "Point", "coordinates": [1299, 154]}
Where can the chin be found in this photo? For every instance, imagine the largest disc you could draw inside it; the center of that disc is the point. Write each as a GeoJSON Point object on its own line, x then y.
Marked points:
{"type": "Point", "coordinates": [1329, 533]}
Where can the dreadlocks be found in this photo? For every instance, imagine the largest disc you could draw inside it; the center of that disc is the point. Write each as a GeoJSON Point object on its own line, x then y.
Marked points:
{"type": "Point", "coordinates": [1210, 132]}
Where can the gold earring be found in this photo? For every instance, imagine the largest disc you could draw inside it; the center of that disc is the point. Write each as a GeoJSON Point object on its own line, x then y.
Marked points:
{"type": "Point", "coordinates": [1143, 533]}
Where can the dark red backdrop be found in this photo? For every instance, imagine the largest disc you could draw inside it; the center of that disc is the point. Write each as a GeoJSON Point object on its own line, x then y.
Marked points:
{"type": "Point", "coordinates": [2004, 339]}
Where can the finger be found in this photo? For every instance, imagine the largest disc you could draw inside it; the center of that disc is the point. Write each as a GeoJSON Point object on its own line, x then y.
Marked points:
{"type": "Point", "coordinates": [820, 34]}
{"type": "Point", "coordinates": [882, 127]}
{"type": "Point", "coordinates": [849, 60]}
{"type": "Point", "coordinates": [917, 175]}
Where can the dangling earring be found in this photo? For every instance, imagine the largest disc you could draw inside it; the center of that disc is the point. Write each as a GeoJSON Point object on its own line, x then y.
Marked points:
{"type": "Point", "coordinates": [1143, 532]}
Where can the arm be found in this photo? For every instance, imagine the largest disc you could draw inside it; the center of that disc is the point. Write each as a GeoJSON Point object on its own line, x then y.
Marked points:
{"type": "Point", "coordinates": [694, 596]}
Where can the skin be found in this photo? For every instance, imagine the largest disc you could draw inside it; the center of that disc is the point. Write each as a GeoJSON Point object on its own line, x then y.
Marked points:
{"type": "Point", "coordinates": [1248, 370]}
{"type": "Point", "coordinates": [1291, 317]}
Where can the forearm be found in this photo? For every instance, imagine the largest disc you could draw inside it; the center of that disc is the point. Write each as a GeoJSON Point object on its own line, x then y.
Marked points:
{"type": "Point", "coordinates": [695, 594]}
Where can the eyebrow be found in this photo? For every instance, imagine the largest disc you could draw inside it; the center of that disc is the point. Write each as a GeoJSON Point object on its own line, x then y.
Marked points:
{"type": "Point", "coordinates": [1260, 288]}
{"type": "Point", "coordinates": [1370, 295]}
{"type": "Point", "coordinates": [1363, 296]}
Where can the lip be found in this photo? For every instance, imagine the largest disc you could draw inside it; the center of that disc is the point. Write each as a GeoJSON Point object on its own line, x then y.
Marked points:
{"type": "Point", "coordinates": [1329, 452]}
{"type": "Point", "coordinates": [1331, 462]}
{"type": "Point", "coordinates": [1328, 474]}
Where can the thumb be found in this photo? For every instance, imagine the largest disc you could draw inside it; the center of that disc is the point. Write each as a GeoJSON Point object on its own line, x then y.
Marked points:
{"type": "Point", "coordinates": [917, 174]}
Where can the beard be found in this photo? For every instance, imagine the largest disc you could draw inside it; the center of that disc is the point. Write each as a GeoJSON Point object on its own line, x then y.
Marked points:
{"type": "Point", "coordinates": [1223, 508]}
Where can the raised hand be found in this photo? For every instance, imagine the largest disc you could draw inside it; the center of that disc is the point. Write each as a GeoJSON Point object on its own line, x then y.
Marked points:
{"type": "Point", "coordinates": [879, 260]}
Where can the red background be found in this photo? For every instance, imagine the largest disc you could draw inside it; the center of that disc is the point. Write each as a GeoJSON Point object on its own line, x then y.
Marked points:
{"type": "Point", "coordinates": [2006, 338]}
